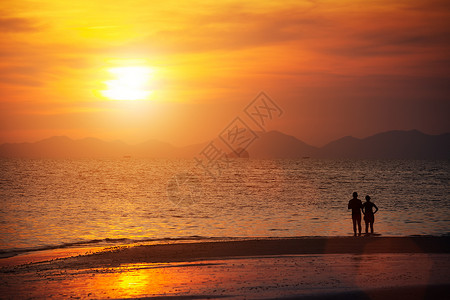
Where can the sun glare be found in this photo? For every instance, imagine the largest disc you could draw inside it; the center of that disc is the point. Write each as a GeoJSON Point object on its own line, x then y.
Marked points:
{"type": "Point", "coordinates": [130, 83]}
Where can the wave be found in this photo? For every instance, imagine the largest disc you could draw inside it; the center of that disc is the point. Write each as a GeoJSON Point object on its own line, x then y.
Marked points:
{"type": "Point", "coordinates": [5, 253]}
{"type": "Point", "coordinates": [109, 242]}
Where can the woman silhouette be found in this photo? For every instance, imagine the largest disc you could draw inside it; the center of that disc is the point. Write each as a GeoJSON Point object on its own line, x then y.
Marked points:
{"type": "Point", "coordinates": [367, 209]}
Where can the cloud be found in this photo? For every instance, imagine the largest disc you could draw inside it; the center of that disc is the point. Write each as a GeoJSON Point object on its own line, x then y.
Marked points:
{"type": "Point", "coordinates": [231, 30]}
{"type": "Point", "coordinates": [19, 80]}
{"type": "Point", "coordinates": [17, 25]}
{"type": "Point", "coordinates": [333, 31]}
{"type": "Point", "coordinates": [315, 37]}
{"type": "Point", "coordinates": [442, 6]}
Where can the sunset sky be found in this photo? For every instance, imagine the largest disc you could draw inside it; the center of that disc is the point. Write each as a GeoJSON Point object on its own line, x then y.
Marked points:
{"type": "Point", "coordinates": [180, 71]}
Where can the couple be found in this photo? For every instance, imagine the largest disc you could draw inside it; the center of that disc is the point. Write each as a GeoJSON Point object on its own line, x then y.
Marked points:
{"type": "Point", "coordinates": [367, 208]}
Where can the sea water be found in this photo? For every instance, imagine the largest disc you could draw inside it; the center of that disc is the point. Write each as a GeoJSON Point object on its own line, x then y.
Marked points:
{"type": "Point", "coordinates": [48, 203]}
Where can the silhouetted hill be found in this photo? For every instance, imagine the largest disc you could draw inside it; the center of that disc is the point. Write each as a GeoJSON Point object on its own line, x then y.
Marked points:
{"type": "Point", "coordinates": [275, 144]}
{"type": "Point", "coordinates": [189, 151]}
{"type": "Point", "coordinates": [392, 144]}
{"type": "Point", "coordinates": [272, 144]}
{"type": "Point", "coordinates": [153, 148]}
{"type": "Point", "coordinates": [240, 153]}
{"type": "Point", "coordinates": [64, 147]}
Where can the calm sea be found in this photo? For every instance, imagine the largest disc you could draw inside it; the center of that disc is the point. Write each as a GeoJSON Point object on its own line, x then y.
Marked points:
{"type": "Point", "coordinates": [52, 203]}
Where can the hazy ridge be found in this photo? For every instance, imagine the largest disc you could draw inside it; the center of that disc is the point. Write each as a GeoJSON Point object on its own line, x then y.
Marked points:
{"type": "Point", "coordinates": [411, 144]}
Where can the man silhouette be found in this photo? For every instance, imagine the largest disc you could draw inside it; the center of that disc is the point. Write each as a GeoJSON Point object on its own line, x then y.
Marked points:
{"type": "Point", "coordinates": [355, 205]}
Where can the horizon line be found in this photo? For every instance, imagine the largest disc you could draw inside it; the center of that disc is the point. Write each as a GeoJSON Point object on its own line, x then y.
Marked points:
{"type": "Point", "coordinates": [206, 141]}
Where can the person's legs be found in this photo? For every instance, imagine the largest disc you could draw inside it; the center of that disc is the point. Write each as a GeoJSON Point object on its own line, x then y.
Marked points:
{"type": "Point", "coordinates": [371, 227]}
{"type": "Point", "coordinates": [354, 225]}
{"type": "Point", "coordinates": [358, 220]}
{"type": "Point", "coordinates": [359, 226]}
{"type": "Point", "coordinates": [367, 227]}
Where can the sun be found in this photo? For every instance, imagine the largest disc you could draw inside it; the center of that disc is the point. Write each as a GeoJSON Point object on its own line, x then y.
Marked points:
{"type": "Point", "coordinates": [130, 83]}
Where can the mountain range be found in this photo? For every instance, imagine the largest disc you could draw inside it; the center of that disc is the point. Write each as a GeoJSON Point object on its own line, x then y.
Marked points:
{"type": "Point", "coordinates": [411, 144]}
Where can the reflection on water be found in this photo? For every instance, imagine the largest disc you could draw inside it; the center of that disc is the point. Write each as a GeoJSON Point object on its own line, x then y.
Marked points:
{"type": "Point", "coordinates": [269, 277]}
{"type": "Point", "coordinates": [137, 280]}
{"type": "Point", "coordinates": [52, 202]}
{"type": "Point", "coordinates": [132, 281]}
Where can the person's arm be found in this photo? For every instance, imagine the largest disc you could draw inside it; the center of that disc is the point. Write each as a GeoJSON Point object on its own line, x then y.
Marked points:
{"type": "Point", "coordinates": [376, 208]}
{"type": "Point", "coordinates": [363, 209]}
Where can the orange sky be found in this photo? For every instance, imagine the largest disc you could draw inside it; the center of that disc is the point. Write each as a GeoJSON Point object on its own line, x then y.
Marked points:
{"type": "Point", "coordinates": [335, 67]}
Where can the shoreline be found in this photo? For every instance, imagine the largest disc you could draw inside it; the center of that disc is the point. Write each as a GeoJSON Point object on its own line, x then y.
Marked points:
{"type": "Point", "coordinates": [190, 250]}
{"type": "Point", "coordinates": [180, 252]}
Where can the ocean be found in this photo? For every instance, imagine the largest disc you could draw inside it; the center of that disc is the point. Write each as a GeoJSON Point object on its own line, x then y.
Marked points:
{"type": "Point", "coordinates": [48, 204]}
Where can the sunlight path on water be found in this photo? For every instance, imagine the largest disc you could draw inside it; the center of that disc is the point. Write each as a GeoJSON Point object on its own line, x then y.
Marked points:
{"type": "Point", "coordinates": [270, 276]}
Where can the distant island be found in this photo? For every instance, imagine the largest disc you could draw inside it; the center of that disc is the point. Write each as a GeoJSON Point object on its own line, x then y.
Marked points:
{"type": "Point", "coordinates": [397, 144]}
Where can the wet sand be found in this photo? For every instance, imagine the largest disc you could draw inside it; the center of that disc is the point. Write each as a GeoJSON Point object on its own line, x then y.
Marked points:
{"type": "Point", "coordinates": [315, 268]}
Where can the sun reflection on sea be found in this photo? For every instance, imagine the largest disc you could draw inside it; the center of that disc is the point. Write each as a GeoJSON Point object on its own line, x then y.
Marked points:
{"type": "Point", "coordinates": [126, 281]}
{"type": "Point", "coordinates": [133, 280]}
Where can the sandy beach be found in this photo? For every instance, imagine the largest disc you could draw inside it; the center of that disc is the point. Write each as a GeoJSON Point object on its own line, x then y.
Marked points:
{"type": "Point", "coordinates": [310, 268]}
